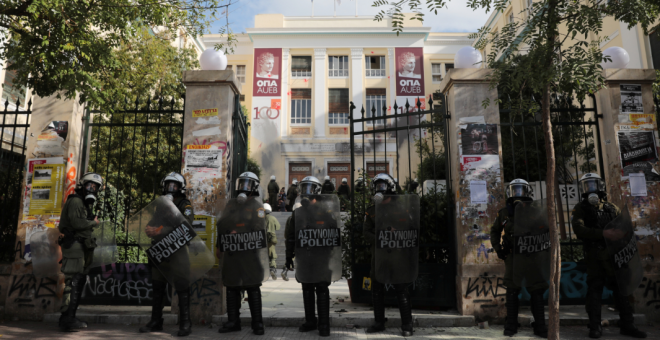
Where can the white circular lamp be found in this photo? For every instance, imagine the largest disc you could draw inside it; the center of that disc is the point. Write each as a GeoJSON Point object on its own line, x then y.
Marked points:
{"type": "Point", "coordinates": [467, 57]}
{"type": "Point", "coordinates": [619, 56]}
{"type": "Point", "coordinates": [212, 60]}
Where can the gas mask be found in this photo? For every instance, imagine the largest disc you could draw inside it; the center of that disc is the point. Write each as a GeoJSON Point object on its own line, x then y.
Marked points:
{"type": "Point", "coordinates": [378, 198]}
{"type": "Point", "coordinates": [90, 190]}
{"type": "Point", "coordinates": [305, 202]}
{"type": "Point", "coordinates": [593, 198]}
{"type": "Point", "coordinates": [242, 198]}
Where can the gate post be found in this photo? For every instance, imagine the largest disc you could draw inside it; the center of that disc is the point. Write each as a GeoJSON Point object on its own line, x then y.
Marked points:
{"type": "Point", "coordinates": [479, 278]}
{"type": "Point", "coordinates": [55, 147]}
{"type": "Point", "coordinates": [207, 131]}
{"type": "Point", "coordinates": [619, 124]}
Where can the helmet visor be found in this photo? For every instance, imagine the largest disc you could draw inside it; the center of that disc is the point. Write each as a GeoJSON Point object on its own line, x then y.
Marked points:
{"type": "Point", "coordinates": [519, 190]}
{"type": "Point", "coordinates": [171, 186]}
{"type": "Point", "coordinates": [307, 189]}
{"type": "Point", "coordinates": [380, 186]}
{"type": "Point", "coordinates": [591, 185]}
{"type": "Point", "coordinates": [244, 184]}
{"type": "Point", "coordinates": [92, 187]}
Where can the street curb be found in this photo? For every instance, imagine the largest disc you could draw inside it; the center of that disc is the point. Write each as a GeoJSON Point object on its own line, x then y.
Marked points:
{"type": "Point", "coordinates": [418, 321]}
{"type": "Point", "coordinates": [115, 319]}
{"type": "Point", "coordinates": [526, 320]}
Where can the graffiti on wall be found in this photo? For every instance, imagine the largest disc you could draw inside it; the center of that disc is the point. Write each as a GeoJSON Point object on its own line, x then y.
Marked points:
{"type": "Point", "coordinates": [119, 284]}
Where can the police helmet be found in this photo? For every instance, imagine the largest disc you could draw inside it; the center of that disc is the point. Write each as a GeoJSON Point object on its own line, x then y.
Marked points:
{"type": "Point", "coordinates": [173, 183]}
{"type": "Point", "coordinates": [247, 183]}
{"type": "Point", "coordinates": [327, 178]}
{"type": "Point", "coordinates": [295, 181]}
{"type": "Point", "coordinates": [518, 188]}
{"type": "Point", "coordinates": [310, 185]}
{"type": "Point", "coordinates": [384, 183]}
{"type": "Point", "coordinates": [272, 178]}
{"type": "Point", "coordinates": [344, 180]}
{"type": "Point", "coordinates": [91, 182]}
{"type": "Point", "coordinates": [268, 208]}
{"type": "Point", "coordinates": [591, 183]}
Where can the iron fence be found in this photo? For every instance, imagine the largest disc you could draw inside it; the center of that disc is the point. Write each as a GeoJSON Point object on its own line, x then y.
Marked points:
{"type": "Point", "coordinates": [13, 137]}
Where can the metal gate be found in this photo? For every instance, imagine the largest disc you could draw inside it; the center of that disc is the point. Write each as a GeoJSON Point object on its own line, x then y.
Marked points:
{"type": "Point", "coordinates": [421, 147]}
{"type": "Point", "coordinates": [239, 146]}
{"type": "Point", "coordinates": [13, 137]}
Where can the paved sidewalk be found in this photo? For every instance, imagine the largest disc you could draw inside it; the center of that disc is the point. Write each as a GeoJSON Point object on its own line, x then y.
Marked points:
{"type": "Point", "coordinates": [39, 330]}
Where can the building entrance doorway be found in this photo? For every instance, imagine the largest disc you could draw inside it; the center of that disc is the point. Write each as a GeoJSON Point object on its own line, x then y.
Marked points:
{"type": "Point", "coordinates": [337, 171]}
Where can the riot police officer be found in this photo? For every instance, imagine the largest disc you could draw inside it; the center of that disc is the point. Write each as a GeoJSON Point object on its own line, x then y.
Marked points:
{"type": "Point", "coordinates": [76, 223]}
{"type": "Point", "coordinates": [589, 219]}
{"type": "Point", "coordinates": [316, 265]}
{"type": "Point", "coordinates": [174, 187]}
{"type": "Point", "coordinates": [292, 194]}
{"type": "Point", "coordinates": [328, 186]}
{"type": "Point", "coordinates": [244, 269]}
{"type": "Point", "coordinates": [273, 189]}
{"type": "Point", "coordinates": [272, 225]}
{"type": "Point", "coordinates": [383, 184]}
{"type": "Point", "coordinates": [517, 191]}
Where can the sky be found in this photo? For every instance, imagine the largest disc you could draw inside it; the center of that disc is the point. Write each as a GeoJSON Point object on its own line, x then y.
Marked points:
{"type": "Point", "coordinates": [457, 17]}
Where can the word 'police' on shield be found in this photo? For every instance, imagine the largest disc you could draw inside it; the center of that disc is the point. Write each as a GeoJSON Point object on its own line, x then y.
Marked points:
{"type": "Point", "coordinates": [326, 237]}
{"type": "Point", "coordinates": [171, 243]}
{"type": "Point", "coordinates": [397, 239]}
{"type": "Point", "coordinates": [530, 244]}
{"type": "Point", "coordinates": [623, 256]}
{"type": "Point", "coordinates": [250, 240]}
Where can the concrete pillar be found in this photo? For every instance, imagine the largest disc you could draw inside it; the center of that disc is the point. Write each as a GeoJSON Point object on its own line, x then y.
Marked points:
{"type": "Point", "coordinates": [28, 297]}
{"type": "Point", "coordinates": [357, 87]}
{"type": "Point", "coordinates": [479, 276]}
{"type": "Point", "coordinates": [208, 126]}
{"type": "Point", "coordinates": [319, 92]}
{"type": "Point", "coordinates": [285, 89]}
{"type": "Point", "coordinates": [644, 210]}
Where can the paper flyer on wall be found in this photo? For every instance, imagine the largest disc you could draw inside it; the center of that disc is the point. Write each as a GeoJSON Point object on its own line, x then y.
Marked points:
{"type": "Point", "coordinates": [638, 119]}
{"type": "Point", "coordinates": [203, 157]}
{"type": "Point", "coordinates": [479, 139]}
{"type": "Point", "coordinates": [205, 228]}
{"type": "Point", "coordinates": [631, 98]}
{"type": "Point", "coordinates": [47, 189]}
{"type": "Point", "coordinates": [638, 154]}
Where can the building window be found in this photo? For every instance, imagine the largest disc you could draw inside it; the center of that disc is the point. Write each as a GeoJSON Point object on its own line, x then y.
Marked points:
{"type": "Point", "coordinates": [376, 100]}
{"type": "Point", "coordinates": [448, 67]}
{"type": "Point", "coordinates": [301, 106]}
{"type": "Point", "coordinates": [338, 66]}
{"type": "Point", "coordinates": [338, 106]}
{"type": "Point", "coordinates": [301, 67]}
{"type": "Point", "coordinates": [511, 18]}
{"type": "Point", "coordinates": [242, 98]}
{"type": "Point", "coordinates": [240, 73]}
{"type": "Point", "coordinates": [230, 67]}
{"type": "Point", "coordinates": [11, 92]}
{"type": "Point", "coordinates": [436, 72]}
{"type": "Point", "coordinates": [375, 66]}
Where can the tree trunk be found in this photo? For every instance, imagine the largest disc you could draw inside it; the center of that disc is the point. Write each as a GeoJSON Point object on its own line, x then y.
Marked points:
{"type": "Point", "coordinates": [560, 210]}
{"type": "Point", "coordinates": [555, 259]}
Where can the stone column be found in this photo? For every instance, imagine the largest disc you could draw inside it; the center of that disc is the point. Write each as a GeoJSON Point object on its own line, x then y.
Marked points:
{"type": "Point", "coordinates": [357, 86]}
{"type": "Point", "coordinates": [479, 279]}
{"type": "Point", "coordinates": [29, 297]}
{"type": "Point", "coordinates": [284, 116]}
{"type": "Point", "coordinates": [319, 92]}
{"type": "Point", "coordinates": [643, 209]}
{"type": "Point", "coordinates": [210, 100]}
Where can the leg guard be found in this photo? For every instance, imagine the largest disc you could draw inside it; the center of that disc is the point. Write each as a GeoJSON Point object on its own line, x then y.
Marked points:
{"type": "Point", "coordinates": [512, 305]}
{"type": "Point", "coordinates": [593, 307]}
{"type": "Point", "coordinates": [538, 311]}
{"type": "Point", "coordinates": [254, 300]}
{"type": "Point", "coordinates": [185, 325]}
{"type": "Point", "coordinates": [233, 323]}
{"type": "Point", "coordinates": [626, 319]}
{"type": "Point", "coordinates": [405, 308]}
{"type": "Point", "coordinates": [310, 307]}
{"type": "Point", "coordinates": [68, 320]}
{"type": "Point", "coordinates": [81, 283]}
{"type": "Point", "coordinates": [323, 304]}
{"type": "Point", "coordinates": [378, 300]}
{"type": "Point", "coordinates": [156, 322]}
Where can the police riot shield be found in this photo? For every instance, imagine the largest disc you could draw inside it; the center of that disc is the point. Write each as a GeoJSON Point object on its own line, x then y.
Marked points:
{"type": "Point", "coordinates": [106, 244]}
{"type": "Point", "coordinates": [171, 243]}
{"type": "Point", "coordinates": [623, 250]}
{"type": "Point", "coordinates": [243, 239]}
{"type": "Point", "coordinates": [46, 253]}
{"type": "Point", "coordinates": [318, 239]}
{"type": "Point", "coordinates": [397, 239]}
{"type": "Point", "coordinates": [531, 243]}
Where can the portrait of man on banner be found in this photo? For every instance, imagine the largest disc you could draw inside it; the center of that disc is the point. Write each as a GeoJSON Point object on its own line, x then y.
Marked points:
{"type": "Point", "coordinates": [267, 69]}
{"type": "Point", "coordinates": [407, 66]}
{"type": "Point", "coordinates": [409, 72]}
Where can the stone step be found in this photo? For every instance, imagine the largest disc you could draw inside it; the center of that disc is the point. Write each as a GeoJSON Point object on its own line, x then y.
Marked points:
{"type": "Point", "coordinates": [295, 319]}
{"type": "Point", "coordinates": [576, 316]}
{"type": "Point", "coordinates": [115, 319]}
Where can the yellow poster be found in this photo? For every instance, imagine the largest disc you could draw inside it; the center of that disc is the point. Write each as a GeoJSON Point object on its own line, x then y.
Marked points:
{"type": "Point", "coordinates": [46, 195]}
{"type": "Point", "coordinates": [205, 113]}
{"type": "Point", "coordinates": [205, 228]}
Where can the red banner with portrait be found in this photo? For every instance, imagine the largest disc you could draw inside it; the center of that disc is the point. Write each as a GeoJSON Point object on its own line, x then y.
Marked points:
{"type": "Point", "coordinates": [267, 72]}
{"type": "Point", "coordinates": [410, 72]}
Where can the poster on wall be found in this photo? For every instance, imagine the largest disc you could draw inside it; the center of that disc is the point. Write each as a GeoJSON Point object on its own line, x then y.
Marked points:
{"type": "Point", "coordinates": [49, 141]}
{"type": "Point", "coordinates": [479, 139]}
{"type": "Point", "coordinates": [27, 193]}
{"type": "Point", "coordinates": [204, 227]}
{"type": "Point", "coordinates": [631, 98]}
{"type": "Point", "coordinates": [47, 189]}
{"type": "Point", "coordinates": [638, 153]}
{"type": "Point", "coordinates": [202, 157]}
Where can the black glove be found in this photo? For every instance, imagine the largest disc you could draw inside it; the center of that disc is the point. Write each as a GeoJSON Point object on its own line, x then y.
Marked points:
{"type": "Point", "coordinates": [501, 254]}
{"type": "Point", "coordinates": [289, 263]}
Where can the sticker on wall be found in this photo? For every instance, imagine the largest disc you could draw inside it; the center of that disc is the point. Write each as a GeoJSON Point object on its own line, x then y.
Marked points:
{"type": "Point", "coordinates": [205, 113]}
{"type": "Point", "coordinates": [631, 98]}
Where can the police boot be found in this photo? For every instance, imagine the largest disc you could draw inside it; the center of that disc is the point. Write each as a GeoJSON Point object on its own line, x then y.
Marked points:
{"type": "Point", "coordinates": [594, 311]}
{"type": "Point", "coordinates": [273, 273]}
{"type": "Point", "coordinates": [68, 318]}
{"type": "Point", "coordinates": [81, 283]}
{"type": "Point", "coordinates": [626, 319]}
{"type": "Point", "coordinates": [323, 305]}
{"type": "Point", "coordinates": [310, 306]}
{"type": "Point", "coordinates": [405, 308]}
{"type": "Point", "coordinates": [538, 311]}
{"type": "Point", "coordinates": [254, 300]}
{"type": "Point", "coordinates": [233, 323]}
{"type": "Point", "coordinates": [512, 305]}
{"type": "Point", "coordinates": [156, 322]}
{"type": "Point", "coordinates": [378, 300]}
{"type": "Point", "coordinates": [185, 325]}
